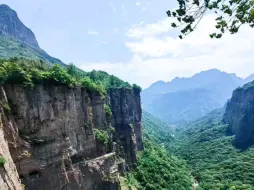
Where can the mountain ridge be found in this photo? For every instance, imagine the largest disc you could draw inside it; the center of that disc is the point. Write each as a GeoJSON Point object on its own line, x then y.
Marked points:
{"type": "Point", "coordinates": [17, 40]}
{"type": "Point", "coordinates": [185, 99]}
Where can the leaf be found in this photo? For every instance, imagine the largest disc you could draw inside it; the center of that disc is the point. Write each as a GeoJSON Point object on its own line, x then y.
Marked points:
{"type": "Point", "coordinates": [173, 25]}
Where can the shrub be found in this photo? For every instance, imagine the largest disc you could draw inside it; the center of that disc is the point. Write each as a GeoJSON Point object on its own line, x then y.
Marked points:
{"type": "Point", "coordinates": [107, 110]}
{"type": "Point", "coordinates": [16, 74]}
{"type": "Point", "coordinates": [2, 161]}
{"type": "Point", "coordinates": [102, 136]}
{"type": "Point", "coordinates": [136, 88]}
{"type": "Point", "coordinates": [60, 76]}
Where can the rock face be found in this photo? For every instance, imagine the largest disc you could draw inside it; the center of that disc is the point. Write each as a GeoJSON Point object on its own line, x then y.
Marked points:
{"type": "Point", "coordinates": [54, 145]}
{"type": "Point", "coordinates": [9, 178]}
{"type": "Point", "coordinates": [10, 25]}
{"type": "Point", "coordinates": [240, 115]}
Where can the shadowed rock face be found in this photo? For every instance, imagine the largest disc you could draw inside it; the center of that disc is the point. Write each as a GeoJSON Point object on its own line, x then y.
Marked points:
{"type": "Point", "coordinates": [53, 144]}
{"type": "Point", "coordinates": [11, 26]}
{"type": "Point", "coordinates": [240, 115]}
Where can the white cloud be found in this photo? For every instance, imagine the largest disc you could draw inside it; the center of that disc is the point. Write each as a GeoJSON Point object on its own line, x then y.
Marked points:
{"type": "Point", "coordinates": [156, 58]}
{"type": "Point", "coordinates": [93, 32]}
{"type": "Point", "coordinates": [141, 30]}
{"type": "Point", "coordinates": [138, 3]}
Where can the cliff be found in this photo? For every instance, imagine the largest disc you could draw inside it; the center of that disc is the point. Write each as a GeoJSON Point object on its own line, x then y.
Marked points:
{"type": "Point", "coordinates": [240, 115]}
{"type": "Point", "coordinates": [64, 138]}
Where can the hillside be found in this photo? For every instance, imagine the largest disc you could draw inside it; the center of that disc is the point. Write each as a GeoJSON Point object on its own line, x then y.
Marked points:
{"type": "Point", "coordinates": [156, 169]}
{"type": "Point", "coordinates": [186, 99]}
{"type": "Point", "coordinates": [16, 40]}
{"type": "Point", "coordinates": [210, 155]}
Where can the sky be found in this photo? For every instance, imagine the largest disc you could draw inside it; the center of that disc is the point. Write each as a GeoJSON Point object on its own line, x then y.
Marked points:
{"type": "Point", "coordinates": [132, 39]}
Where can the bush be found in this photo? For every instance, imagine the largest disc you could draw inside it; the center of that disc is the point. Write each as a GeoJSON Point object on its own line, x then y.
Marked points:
{"type": "Point", "coordinates": [2, 161]}
{"type": "Point", "coordinates": [102, 136]}
{"type": "Point", "coordinates": [107, 110]}
{"type": "Point", "coordinates": [136, 88]}
{"type": "Point", "coordinates": [60, 76]}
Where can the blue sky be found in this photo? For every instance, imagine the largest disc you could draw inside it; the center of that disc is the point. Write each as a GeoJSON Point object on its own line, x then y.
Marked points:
{"type": "Point", "coordinates": [131, 39]}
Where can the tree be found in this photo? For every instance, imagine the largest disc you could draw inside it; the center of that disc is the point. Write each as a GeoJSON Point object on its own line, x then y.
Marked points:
{"type": "Point", "coordinates": [231, 15]}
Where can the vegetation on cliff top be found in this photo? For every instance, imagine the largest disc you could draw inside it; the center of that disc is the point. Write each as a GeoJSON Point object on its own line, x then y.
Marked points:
{"type": "Point", "coordinates": [30, 72]}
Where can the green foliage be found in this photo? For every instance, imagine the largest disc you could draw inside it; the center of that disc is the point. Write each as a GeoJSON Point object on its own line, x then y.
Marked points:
{"type": "Point", "coordinates": [104, 79]}
{"type": "Point", "coordinates": [155, 129]}
{"type": "Point", "coordinates": [211, 157]}
{"type": "Point", "coordinates": [136, 88]}
{"type": "Point", "coordinates": [3, 75]}
{"type": "Point", "coordinates": [9, 47]}
{"type": "Point", "coordinates": [6, 108]}
{"type": "Point", "coordinates": [157, 170]}
{"type": "Point", "coordinates": [30, 72]}
{"type": "Point", "coordinates": [129, 182]}
{"type": "Point", "coordinates": [92, 86]}
{"type": "Point", "coordinates": [107, 110]}
{"type": "Point", "coordinates": [2, 161]}
{"type": "Point", "coordinates": [102, 136]}
{"type": "Point", "coordinates": [231, 15]}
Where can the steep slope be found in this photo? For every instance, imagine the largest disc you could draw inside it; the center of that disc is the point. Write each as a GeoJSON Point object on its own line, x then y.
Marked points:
{"type": "Point", "coordinates": [156, 169]}
{"type": "Point", "coordinates": [16, 40]}
{"type": "Point", "coordinates": [240, 115]}
{"type": "Point", "coordinates": [185, 99]}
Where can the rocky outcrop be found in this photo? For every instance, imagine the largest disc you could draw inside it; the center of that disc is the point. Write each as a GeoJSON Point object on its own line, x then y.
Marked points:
{"type": "Point", "coordinates": [9, 178]}
{"type": "Point", "coordinates": [240, 115]}
{"type": "Point", "coordinates": [11, 26]}
{"type": "Point", "coordinates": [54, 144]}
{"type": "Point", "coordinates": [126, 109]}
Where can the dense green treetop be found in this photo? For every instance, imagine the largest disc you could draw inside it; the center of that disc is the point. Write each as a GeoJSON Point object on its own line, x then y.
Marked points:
{"type": "Point", "coordinates": [30, 72]}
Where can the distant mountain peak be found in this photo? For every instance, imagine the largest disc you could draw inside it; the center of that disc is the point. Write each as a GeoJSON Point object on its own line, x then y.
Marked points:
{"type": "Point", "coordinates": [11, 26]}
{"type": "Point", "coordinates": [17, 40]}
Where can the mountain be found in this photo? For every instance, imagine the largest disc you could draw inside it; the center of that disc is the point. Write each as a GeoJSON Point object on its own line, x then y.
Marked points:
{"type": "Point", "coordinates": [212, 146]}
{"type": "Point", "coordinates": [16, 40]}
{"type": "Point", "coordinates": [185, 99]}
